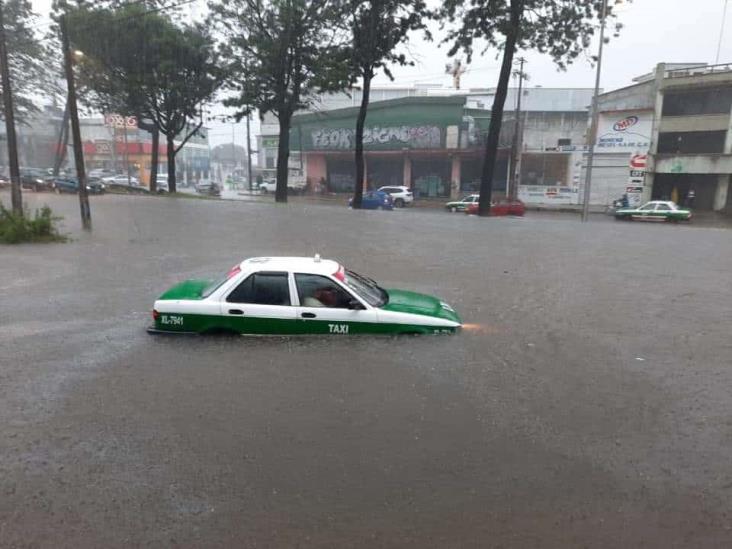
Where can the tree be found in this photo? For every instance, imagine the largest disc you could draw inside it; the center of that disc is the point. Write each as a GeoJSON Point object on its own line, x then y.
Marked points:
{"type": "Point", "coordinates": [377, 28]}
{"type": "Point", "coordinates": [27, 59]}
{"type": "Point", "coordinates": [560, 28]}
{"type": "Point", "coordinates": [139, 62]}
{"type": "Point", "coordinates": [279, 54]}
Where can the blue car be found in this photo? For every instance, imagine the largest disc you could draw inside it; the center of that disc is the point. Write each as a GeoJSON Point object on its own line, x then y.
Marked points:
{"type": "Point", "coordinates": [71, 185]}
{"type": "Point", "coordinates": [375, 200]}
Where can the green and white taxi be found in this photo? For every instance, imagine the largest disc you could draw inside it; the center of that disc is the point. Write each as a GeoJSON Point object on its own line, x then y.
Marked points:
{"type": "Point", "coordinates": [462, 204]}
{"type": "Point", "coordinates": [298, 295]}
{"type": "Point", "coordinates": [656, 210]}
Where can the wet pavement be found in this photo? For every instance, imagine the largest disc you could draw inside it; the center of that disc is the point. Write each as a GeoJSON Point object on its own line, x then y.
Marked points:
{"type": "Point", "coordinates": [587, 405]}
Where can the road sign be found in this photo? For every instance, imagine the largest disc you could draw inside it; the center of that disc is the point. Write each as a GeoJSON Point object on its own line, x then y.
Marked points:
{"type": "Point", "coordinates": [638, 162]}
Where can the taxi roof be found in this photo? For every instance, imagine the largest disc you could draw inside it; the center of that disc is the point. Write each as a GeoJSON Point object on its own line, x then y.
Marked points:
{"type": "Point", "coordinates": [314, 265]}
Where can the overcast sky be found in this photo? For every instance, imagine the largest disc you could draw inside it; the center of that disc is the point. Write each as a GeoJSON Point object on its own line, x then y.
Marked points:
{"type": "Point", "coordinates": [655, 31]}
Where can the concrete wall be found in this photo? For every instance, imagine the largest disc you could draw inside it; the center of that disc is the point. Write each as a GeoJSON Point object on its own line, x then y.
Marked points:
{"type": "Point", "coordinates": [542, 130]}
{"type": "Point", "coordinates": [636, 97]}
{"type": "Point", "coordinates": [705, 122]}
{"type": "Point", "coordinates": [697, 163]}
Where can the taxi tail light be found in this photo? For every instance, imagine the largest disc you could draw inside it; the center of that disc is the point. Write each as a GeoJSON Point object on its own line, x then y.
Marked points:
{"type": "Point", "coordinates": [155, 314]}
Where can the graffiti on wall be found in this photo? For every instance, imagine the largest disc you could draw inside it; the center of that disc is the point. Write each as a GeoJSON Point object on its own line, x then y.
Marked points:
{"type": "Point", "coordinates": [415, 137]}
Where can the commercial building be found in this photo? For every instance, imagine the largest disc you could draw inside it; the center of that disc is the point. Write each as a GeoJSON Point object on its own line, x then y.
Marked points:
{"type": "Point", "coordinates": [668, 136]}
{"type": "Point", "coordinates": [434, 143]}
{"type": "Point", "coordinates": [118, 144]}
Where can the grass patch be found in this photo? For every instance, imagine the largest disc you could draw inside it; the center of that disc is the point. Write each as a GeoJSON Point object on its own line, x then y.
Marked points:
{"type": "Point", "coordinates": [15, 229]}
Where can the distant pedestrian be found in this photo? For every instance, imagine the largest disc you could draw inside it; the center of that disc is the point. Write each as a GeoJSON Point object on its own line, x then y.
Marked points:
{"type": "Point", "coordinates": [690, 196]}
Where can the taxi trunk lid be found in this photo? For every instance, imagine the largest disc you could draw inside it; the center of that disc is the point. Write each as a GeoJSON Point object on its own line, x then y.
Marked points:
{"type": "Point", "coordinates": [189, 289]}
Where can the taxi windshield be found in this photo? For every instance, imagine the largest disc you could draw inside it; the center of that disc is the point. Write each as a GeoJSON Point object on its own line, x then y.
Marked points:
{"type": "Point", "coordinates": [366, 288]}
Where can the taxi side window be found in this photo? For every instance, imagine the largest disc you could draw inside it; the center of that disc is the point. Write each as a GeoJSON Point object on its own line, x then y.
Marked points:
{"type": "Point", "coordinates": [262, 289]}
{"type": "Point", "coordinates": [320, 291]}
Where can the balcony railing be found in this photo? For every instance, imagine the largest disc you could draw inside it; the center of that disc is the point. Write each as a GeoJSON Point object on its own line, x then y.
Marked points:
{"type": "Point", "coordinates": [698, 71]}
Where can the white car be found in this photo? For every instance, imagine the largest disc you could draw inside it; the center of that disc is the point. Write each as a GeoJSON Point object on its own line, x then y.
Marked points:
{"type": "Point", "coordinates": [298, 295]}
{"type": "Point", "coordinates": [162, 183]}
{"type": "Point", "coordinates": [122, 180]}
{"type": "Point", "coordinates": [401, 196]}
{"type": "Point", "coordinates": [268, 186]}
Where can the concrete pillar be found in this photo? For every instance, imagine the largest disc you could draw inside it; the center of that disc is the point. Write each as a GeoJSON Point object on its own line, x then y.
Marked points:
{"type": "Point", "coordinates": [365, 174]}
{"type": "Point", "coordinates": [657, 114]}
{"type": "Point", "coordinates": [455, 177]}
{"type": "Point", "coordinates": [407, 173]}
{"type": "Point", "coordinates": [720, 196]}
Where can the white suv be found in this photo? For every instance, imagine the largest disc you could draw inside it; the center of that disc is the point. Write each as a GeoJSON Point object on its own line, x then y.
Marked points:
{"type": "Point", "coordinates": [401, 196]}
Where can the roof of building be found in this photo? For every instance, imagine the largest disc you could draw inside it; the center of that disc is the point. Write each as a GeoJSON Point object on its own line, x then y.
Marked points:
{"type": "Point", "coordinates": [450, 100]}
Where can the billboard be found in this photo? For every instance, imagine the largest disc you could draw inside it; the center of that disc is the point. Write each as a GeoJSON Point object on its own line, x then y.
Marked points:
{"type": "Point", "coordinates": [625, 132]}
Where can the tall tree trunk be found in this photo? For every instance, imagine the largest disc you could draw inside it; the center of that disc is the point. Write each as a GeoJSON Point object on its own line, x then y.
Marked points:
{"type": "Point", "coordinates": [171, 162]}
{"type": "Point", "coordinates": [283, 156]}
{"type": "Point", "coordinates": [494, 130]}
{"type": "Point", "coordinates": [154, 159]}
{"type": "Point", "coordinates": [360, 121]}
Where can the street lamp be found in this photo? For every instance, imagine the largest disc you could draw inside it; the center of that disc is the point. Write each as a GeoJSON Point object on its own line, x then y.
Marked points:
{"type": "Point", "coordinates": [595, 116]}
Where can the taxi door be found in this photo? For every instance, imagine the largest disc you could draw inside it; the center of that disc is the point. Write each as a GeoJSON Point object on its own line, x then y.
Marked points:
{"type": "Point", "coordinates": [326, 307]}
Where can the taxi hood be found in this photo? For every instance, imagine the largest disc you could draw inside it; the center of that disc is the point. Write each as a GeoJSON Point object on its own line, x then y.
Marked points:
{"type": "Point", "coordinates": [402, 301]}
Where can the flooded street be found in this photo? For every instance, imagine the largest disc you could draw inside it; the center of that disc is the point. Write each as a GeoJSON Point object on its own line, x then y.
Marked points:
{"type": "Point", "coordinates": [586, 404]}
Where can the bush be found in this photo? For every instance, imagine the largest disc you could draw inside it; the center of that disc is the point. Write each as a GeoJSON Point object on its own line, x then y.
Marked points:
{"type": "Point", "coordinates": [15, 228]}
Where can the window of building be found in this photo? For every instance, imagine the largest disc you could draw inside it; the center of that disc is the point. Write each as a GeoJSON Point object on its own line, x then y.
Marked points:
{"type": "Point", "coordinates": [693, 102]}
{"type": "Point", "coordinates": [320, 291]}
{"type": "Point", "coordinates": [262, 289]}
{"type": "Point", "coordinates": [691, 142]}
{"type": "Point", "coordinates": [564, 142]}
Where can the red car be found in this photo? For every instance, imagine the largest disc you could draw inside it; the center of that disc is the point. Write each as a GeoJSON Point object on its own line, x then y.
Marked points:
{"type": "Point", "coordinates": [501, 207]}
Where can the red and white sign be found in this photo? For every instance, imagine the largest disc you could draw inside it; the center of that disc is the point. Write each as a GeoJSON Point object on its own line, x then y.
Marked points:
{"type": "Point", "coordinates": [638, 162]}
{"type": "Point", "coordinates": [119, 121]}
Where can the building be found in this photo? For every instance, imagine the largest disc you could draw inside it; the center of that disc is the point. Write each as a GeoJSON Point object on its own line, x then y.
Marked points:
{"type": "Point", "coordinates": [118, 144]}
{"type": "Point", "coordinates": [435, 143]}
{"type": "Point", "coordinates": [666, 135]}
{"type": "Point", "coordinates": [269, 131]}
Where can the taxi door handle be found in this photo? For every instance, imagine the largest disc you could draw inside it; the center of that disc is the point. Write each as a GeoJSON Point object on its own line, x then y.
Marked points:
{"type": "Point", "coordinates": [308, 315]}
{"type": "Point", "coordinates": [236, 312]}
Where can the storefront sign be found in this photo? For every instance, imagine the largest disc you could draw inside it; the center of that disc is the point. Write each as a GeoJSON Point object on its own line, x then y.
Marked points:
{"type": "Point", "coordinates": [270, 142]}
{"type": "Point", "coordinates": [624, 132]}
{"type": "Point", "coordinates": [540, 194]}
{"type": "Point", "coordinates": [119, 121]}
{"type": "Point", "coordinates": [391, 137]}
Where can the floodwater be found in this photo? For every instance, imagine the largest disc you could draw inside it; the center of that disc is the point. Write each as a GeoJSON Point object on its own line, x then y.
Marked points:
{"type": "Point", "coordinates": [585, 404]}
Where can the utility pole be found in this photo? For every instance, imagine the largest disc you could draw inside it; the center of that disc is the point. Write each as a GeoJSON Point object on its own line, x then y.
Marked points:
{"type": "Point", "coordinates": [75, 130]}
{"type": "Point", "coordinates": [63, 141]}
{"type": "Point", "coordinates": [595, 117]}
{"type": "Point", "coordinates": [513, 174]}
{"type": "Point", "coordinates": [16, 195]}
{"type": "Point", "coordinates": [249, 154]}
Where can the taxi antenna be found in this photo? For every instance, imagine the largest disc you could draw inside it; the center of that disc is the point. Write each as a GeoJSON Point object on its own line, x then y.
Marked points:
{"type": "Point", "coordinates": [317, 258]}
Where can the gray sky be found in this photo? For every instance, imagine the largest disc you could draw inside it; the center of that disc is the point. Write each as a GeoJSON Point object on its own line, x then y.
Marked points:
{"type": "Point", "coordinates": [655, 31]}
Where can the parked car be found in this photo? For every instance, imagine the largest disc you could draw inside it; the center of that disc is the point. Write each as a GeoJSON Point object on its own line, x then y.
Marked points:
{"type": "Point", "coordinates": [268, 186]}
{"type": "Point", "coordinates": [298, 295]}
{"type": "Point", "coordinates": [208, 187]}
{"type": "Point", "coordinates": [463, 203]}
{"type": "Point", "coordinates": [132, 181]}
{"type": "Point", "coordinates": [656, 210]}
{"type": "Point", "coordinates": [101, 173]}
{"type": "Point", "coordinates": [32, 179]}
{"type": "Point", "coordinates": [375, 200]}
{"type": "Point", "coordinates": [94, 185]}
{"type": "Point", "coordinates": [162, 183]}
{"type": "Point", "coordinates": [504, 206]}
{"type": "Point", "coordinates": [4, 182]}
{"type": "Point", "coordinates": [401, 196]}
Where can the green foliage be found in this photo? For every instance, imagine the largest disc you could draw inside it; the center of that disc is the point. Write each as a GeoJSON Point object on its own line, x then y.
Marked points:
{"type": "Point", "coordinates": [26, 55]}
{"type": "Point", "coordinates": [377, 28]}
{"type": "Point", "coordinates": [280, 52]}
{"type": "Point", "coordinates": [279, 55]}
{"type": "Point", "coordinates": [15, 228]}
{"type": "Point", "coordinates": [140, 62]}
{"type": "Point", "coordinates": [560, 28]}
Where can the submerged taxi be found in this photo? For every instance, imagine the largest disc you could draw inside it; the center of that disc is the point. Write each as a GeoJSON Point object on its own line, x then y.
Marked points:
{"type": "Point", "coordinates": [298, 295]}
